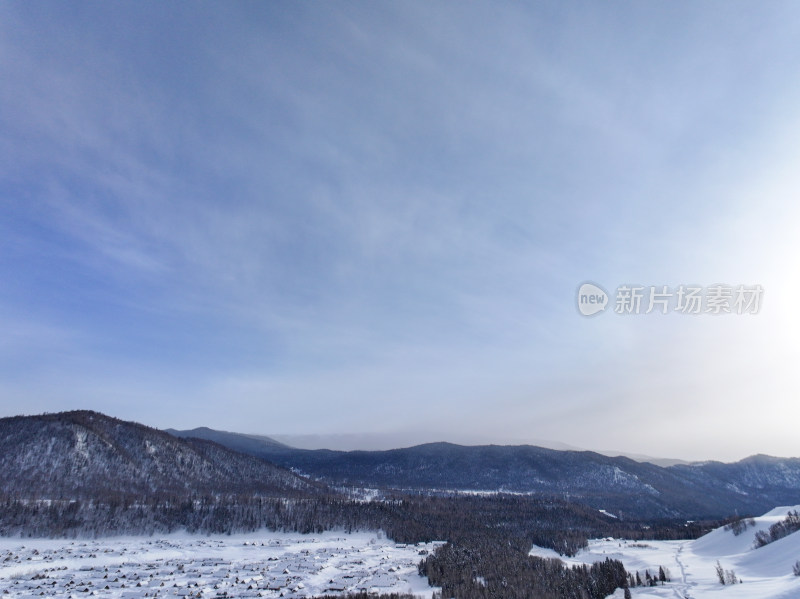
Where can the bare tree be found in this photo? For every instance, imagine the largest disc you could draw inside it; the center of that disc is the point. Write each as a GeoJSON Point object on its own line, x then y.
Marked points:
{"type": "Point", "coordinates": [720, 573]}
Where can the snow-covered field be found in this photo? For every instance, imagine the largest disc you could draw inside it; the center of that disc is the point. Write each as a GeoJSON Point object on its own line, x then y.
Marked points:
{"type": "Point", "coordinates": [263, 564]}
{"type": "Point", "coordinates": [766, 573]}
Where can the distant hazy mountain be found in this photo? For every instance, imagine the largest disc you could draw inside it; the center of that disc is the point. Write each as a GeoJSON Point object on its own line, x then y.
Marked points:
{"type": "Point", "coordinates": [383, 441]}
{"type": "Point", "coordinates": [378, 442]}
{"type": "Point", "coordinates": [638, 457]}
{"type": "Point", "coordinates": [619, 484]}
{"type": "Point", "coordinates": [87, 455]}
{"type": "Point", "coordinates": [250, 444]}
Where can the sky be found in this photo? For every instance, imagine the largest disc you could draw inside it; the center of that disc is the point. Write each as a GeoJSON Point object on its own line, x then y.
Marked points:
{"type": "Point", "coordinates": [371, 219]}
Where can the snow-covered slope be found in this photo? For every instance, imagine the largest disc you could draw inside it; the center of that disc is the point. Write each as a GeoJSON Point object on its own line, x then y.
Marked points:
{"type": "Point", "coordinates": [765, 572]}
{"type": "Point", "coordinates": [738, 553]}
{"type": "Point", "coordinates": [724, 542]}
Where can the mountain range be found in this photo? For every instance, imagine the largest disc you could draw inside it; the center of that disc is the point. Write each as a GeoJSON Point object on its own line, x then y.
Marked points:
{"type": "Point", "coordinates": [87, 455]}
{"type": "Point", "coordinates": [618, 484]}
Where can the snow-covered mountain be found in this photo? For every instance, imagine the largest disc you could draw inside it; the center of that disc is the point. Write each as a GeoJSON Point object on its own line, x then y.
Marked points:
{"type": "Point", "coordinates": [758, 474]}
{"type": "Point", "coordinates": [82, 454]}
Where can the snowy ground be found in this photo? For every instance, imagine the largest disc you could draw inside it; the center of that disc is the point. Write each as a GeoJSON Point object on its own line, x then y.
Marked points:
{"type": "Point", "coordinates": [253, 565]}
{"type": "Point", "coordinates": [766, 573]}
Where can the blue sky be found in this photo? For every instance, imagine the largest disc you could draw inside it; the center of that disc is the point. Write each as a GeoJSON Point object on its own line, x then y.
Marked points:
{"type": "Point", "coordinates": [372, 217]}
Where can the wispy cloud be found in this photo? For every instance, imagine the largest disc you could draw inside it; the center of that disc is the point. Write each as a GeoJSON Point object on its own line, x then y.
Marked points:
{"type": "Point", "coordinates": [330, 216]}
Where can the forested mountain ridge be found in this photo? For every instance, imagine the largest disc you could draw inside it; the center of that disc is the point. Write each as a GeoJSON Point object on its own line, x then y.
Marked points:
{"type": "Point", "coordinates": [86, 455]}
{"type": "Point", "coordinates": [619, 484]}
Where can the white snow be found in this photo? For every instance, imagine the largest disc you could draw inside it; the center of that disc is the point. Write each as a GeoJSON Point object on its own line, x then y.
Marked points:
{"type": "Point", "coordinates": [264, 564]}
{"type": "Point", "coordinates": [766, 573]}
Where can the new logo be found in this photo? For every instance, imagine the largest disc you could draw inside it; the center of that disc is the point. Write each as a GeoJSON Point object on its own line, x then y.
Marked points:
{"type": "Point", "coordinates": [591, 299]}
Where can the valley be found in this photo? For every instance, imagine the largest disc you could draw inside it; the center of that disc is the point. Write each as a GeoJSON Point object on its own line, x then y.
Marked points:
{"type": "Point", "coordinates": [95, 506]}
